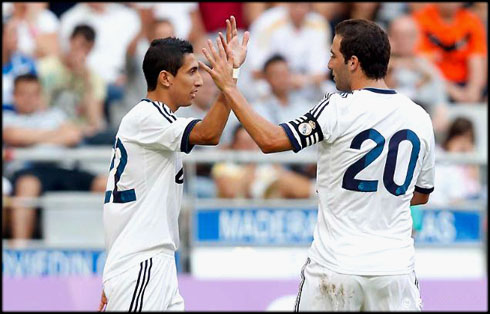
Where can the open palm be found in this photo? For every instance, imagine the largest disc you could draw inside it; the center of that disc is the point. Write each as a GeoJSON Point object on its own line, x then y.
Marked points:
{"type": "Point", "coordinates": [234, 50]}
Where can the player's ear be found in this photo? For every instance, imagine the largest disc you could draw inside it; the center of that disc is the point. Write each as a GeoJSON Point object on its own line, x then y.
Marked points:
{"type": "Point", "coordinates": [165, 78]}
{"type": "Point", "coordinates": [353, 63]}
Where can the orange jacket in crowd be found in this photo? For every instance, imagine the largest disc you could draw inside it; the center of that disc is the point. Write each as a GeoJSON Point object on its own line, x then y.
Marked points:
{"type": "Point", "coordinates": [450, 45]}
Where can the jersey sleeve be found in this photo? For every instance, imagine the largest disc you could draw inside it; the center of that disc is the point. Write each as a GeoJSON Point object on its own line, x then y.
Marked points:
{"type": "Point", "coordinates": [425, 180]}
{"type": "Point", "coordinates": [316, 125]}
{"type": "Point", "coordinates": [162, 130]}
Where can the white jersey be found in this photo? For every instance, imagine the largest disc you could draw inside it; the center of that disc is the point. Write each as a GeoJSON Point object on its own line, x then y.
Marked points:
{"type": "Point", "coordinates": [375, 148]}
{"type": "Point", "coordinates": [145, 186]}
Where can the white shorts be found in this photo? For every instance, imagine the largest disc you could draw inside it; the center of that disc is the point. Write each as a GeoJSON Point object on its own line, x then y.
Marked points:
{"type": "Point", "coordinates": [150, 286]}
{"type": "Point", "coordinates": [324, 290]}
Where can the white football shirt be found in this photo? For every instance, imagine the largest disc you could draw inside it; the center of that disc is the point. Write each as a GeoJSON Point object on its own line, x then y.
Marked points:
{"type": "Point", "coordinates": [145, 186]}
{"type": "Point", "coordinates": [376, 147]}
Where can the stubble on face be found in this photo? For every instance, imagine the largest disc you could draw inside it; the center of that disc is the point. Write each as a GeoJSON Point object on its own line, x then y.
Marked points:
{"type": "Point", "coordinates": [338, 67]}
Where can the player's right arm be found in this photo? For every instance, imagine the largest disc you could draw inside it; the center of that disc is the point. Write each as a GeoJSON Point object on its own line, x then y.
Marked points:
{"type": "Point", "coordinates": [268, 136]}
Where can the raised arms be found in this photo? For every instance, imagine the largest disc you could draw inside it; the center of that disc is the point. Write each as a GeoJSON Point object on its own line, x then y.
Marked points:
{"type": "Point", "coordinates": [268, 136]}
{"type": "Point", "coordinates": [232, 54]}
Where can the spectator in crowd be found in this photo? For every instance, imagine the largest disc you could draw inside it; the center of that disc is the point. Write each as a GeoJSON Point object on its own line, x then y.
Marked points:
{"type": "Point", "coordinates": [454, 39]}
{"type": "Point", "coordinates": [251, 180]}
{"type": "Point", "coordinates": [6, 191]}
{"type": "Point", "coordinates": [252, 10]}
{"type": "Point", "coordinates": [214, 13]}
{"type": "Point", "coordinates": [115, 25]}
{"type": "Point", "coordinates": [481, 10]}
{"type": "Point", "coordinates": [37, 28]}
{"type": "Point", "coordinates": [14, 62]}
{"type": "Point", "coordinates": [335, 12]}
{"type": "Point", "coordinates": [185, 18]}
{"type": "Point", "coordinates": [297, 33]}
{"type": "Point", "coordinates": [210, 21]}
{"type": "Point", "coordinates": [31, 125]}
{"type": "Point", "coordinates": [413, 75]}
{"type": "Point", "coordinates": [464, 179]}
{"type": "Point", "coordinates": [152, 27]}
{"type": "Point", "coordinates": [283, 103]}
{"type": "Point", "coordinates": [69, 84]}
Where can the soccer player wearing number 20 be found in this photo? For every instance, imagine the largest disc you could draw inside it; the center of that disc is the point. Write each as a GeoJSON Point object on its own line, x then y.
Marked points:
{"type": "Point", "coordinates": [375, 159]}
{"type": "Point", "coordinates": [145, 185]}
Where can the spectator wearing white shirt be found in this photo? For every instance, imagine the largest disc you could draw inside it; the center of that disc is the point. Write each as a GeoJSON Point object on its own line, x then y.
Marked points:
{"type": "Point", "coordinates": [14, 62]}
{"type": "Point", "coordinates": [184, 16]}
{"type": "Point", "coordinates": [299, 34]}
{"type": "Point", "coordinates": [37, 28]}
{"type": "Point", "coordinates": [152, 27]}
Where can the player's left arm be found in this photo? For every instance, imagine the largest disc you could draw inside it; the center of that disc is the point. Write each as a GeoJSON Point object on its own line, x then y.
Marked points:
{"type": "Point", "coordinates": [425, 181]}
{"type": "Point", "coordinates": [269, 137]}
{"type": "Point", "coordinates": [419, 198]}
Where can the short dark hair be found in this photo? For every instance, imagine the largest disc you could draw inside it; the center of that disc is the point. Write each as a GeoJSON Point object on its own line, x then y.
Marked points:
{"type": "Point", "coordinates": [28, 77]}
{"type": "Point", "coordinates": [460, 126]}
{"type": "Point", "coordinates": [368, 42]}
{"type": "Point", "coordinates": [85, 30]}
{"type": "Point", "coordinates": [164, 54]}
{"type": "Point", "coordinates": [273, 59]}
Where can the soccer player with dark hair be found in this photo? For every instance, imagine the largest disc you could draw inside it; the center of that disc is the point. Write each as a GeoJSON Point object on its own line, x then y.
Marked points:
{"type": "Point", "coordinates": [145, 185]}
{"type": "Point", "coordinates": [375, 159]}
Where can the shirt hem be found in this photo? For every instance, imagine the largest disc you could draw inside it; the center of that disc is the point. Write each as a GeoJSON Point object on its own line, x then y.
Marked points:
{"type": "Point", "coordinates": [358, 272]}
{"type": "Point", "coordinates": [135, 262]}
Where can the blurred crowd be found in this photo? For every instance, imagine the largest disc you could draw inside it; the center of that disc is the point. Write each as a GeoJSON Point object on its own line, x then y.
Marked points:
{"type": "Point", "coordinates": [72, 70]}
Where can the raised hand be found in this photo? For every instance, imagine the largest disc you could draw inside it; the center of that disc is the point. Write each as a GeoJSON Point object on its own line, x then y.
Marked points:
{"type": "Point", "coordinates": [234, 50]}
{"type": "Point", "coordinates": [221, 66]}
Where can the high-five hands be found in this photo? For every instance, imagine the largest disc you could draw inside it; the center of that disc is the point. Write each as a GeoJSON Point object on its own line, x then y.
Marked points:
{"type": "Point", "coordinates": [231, 54]}
{"type": "Point", "coordinates": [222, 66]}
{"type": "Point", "coordinates": [233, 48]}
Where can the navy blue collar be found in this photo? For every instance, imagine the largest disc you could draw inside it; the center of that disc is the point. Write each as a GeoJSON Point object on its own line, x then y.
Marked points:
{"type": "Point", "coordinates": [380, 90]}
{"type": "Point", "coordinates": [149, 100]}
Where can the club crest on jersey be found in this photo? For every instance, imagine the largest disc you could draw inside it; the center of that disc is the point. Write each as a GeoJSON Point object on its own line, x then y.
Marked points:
{"type": "Point", "coordinates": [312, 124]}
{"type": "Point", "coordinates": [305, 128]}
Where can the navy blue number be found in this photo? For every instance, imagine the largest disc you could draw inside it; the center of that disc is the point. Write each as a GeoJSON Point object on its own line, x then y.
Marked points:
{"type": "Point", "coordinates": [389, 173]}
{"type": "Point", "coordinates": [119, 196]}
{"type": "Point", "coordinates": [349, 183]}
{"type": "Point", "coordinates": [352, 184]}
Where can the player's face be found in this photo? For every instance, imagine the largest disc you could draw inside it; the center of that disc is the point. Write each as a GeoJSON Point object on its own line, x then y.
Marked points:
{"type": "Point", "coordinates": [340, 71]}
{"type": "Point", "coordinates": [187, 81]}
